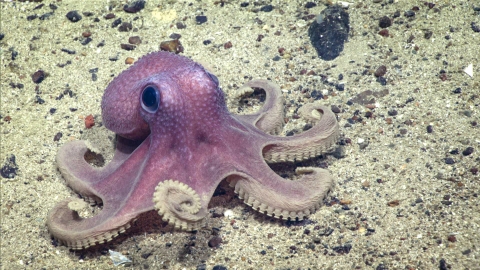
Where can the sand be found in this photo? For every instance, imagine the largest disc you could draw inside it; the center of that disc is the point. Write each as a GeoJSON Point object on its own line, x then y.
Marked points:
{"type": "Point", "coordinates": [404, 198]}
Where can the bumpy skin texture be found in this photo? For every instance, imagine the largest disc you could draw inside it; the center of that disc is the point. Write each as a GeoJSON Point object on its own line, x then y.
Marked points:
{"type": "Point", "coordinates": [172, 158]}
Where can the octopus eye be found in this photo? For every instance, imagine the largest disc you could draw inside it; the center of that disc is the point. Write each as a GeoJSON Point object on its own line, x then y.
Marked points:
{"type": "Point", "coordinates": [150, 99]}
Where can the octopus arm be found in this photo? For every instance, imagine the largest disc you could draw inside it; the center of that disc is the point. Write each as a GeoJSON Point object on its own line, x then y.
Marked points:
{"type": "Point", "coordinates": [280, 198]}
{"type": "Point", "coordinates": [319, 139]}
{"type": "Point", "coordinates": [270, 118]}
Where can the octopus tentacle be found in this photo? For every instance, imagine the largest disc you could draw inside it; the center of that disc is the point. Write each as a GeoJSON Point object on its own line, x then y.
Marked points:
{"type": "Point", "coordinates": [286, 199]}
{"type": "Point", "coordinates": [319, 139]}
{"type": "Point", "coordinates": [79, 174]}
{"type": "Point", "coordinates": [270, 117]}
{"type": "Point", "coordinates": [179, 205]}
{"type": "Point", "coordinates": [71, 230]}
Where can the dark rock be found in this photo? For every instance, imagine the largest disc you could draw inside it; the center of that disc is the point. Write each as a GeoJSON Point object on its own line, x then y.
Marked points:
{"type": "Point", "coordinates": [201, 19]}
{"type": "Point", "coordinates": [468, 151]}
{"type": "Point", "coordinates": [329, 32]}
{"type": "Point", "coordinates": [135, 6]}
{"type": "Point", "coordinates": [38, 76]}
{"type": "Point", "coordinates": [127, 47]}
{"type": "Point", "coordinates": [381, 70]}
{"type": "Point", "coordinates": [74, 16]}
{"type": "Point", "coordinates": [10, 168]}
{"type": "Point", "coordinates": [266, 8]}
{"type": "Point", "coordinates": [215, 242]}
{"type": "Point", "coordinates": [385, 22]}
{"type": "Point", "coordinates": [125, 27]}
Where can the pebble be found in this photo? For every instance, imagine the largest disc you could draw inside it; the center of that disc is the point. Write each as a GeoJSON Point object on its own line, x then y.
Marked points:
{"type": "Point", "coordinates": [201, 19]}
{"type": "Point", "coordinates": [134, 7]}
{"type": "Point", "coordinates": [381, 70]}
{"type": "Point", "coordinates": [215, 242]}
{"type": "Point", "coordinates": [449, 161]}
{"type": "Point", "coordinates": [73, 16]}
{"type": "Point", "coordinates": [468, 151]}
{"type": "Point", "coordinates": [135, 40]}
{"type": "Point", "coordinates": [174, 46]}
{"type": "Point", "coordinates": [38, 76]}
{"type": "Point", "coordinates": [384, 22]}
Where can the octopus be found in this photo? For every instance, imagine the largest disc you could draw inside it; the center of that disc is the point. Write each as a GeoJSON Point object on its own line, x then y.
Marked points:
{"type": "Point", "coordinates": [176, 141]}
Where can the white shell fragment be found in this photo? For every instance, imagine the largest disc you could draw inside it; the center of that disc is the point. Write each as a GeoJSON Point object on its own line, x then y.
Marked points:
{"type": "Point", "coordinates": [117, 258]}
{"type": "Point", "coordinates": [469, 70]}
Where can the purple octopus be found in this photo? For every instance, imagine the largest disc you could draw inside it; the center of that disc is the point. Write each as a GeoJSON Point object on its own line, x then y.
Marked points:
{"type": "Point", "coordinates": [176, 141]}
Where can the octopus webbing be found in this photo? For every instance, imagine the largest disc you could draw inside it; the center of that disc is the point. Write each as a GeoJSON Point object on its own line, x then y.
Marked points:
{"type": "Point", "coordinates": [176, 141]}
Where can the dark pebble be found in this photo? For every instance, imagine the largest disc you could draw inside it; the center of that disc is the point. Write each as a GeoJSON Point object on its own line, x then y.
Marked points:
{"type": "Point", "coordinates": [419, 200]}
{"type": "Point", "coordinates": [340, 86]}
{"type": "Point", "coordinates": [343, 249]}
{"type": "Point", "coordinates": [134, 7]}
{"type": "Point", "coordinates": [86, 41]}
{"type": "Point", "coordinates": [429, 129]}
{"type": "Point", "coordinates": [68, 51]}
{"type": "Point", "coordinates": [206, 42]}
{"type": "Point", "coordinates": [384, 22]}
{"type": "Point", "coordinates": [428, 34]}
{"type": "Point", "coordinates": [180, 25]}
{"type": "Point", "coordinates": [310, 5]}
{"type": "Point", "coordinates": [201, 267]}
{"type": "Point", "coordinates": [201, 19]}
{"type": "Point", "coordinates": [127, 47]}
{"type": "Point", "coordinates": [266, 8]}
{"type": "Point", "coordinates": [227, 45]}
{"type": "Point", "coordinates": [382, 80]}
{"type": "Point", "coordinates": [32, 17]}
{"type": "Point", "coordinates": [244, 4]}
{"type": "Point", "coordinates": [10, 168]}
{"type": "Point", "coordinates": [474, 170]}
{"type": "Point", "coordinates": [53, 110]}
{"type": "Point", "coordinates": [454, 151]}
{"type": "Point", "coordinates": [384, 33]}
{"type": "Point", "coordinates": [467, 151]}
{"type": "Point", "coordinates": [392, 112]}
{"type": "Point", "coordinates": [175, 36]}
{"type": "Point", "coordinates": [46, 15]}
{"type": "Point", "coordinates": [39, 100]}
{"type": "Point", "coordinates": [117, 22]}
{"type": "Point", "coordinates": [443, 265]}
{"type": "Point", "coordinates": [215, 242]}
{"type": "Point", "coordinates": [109, 16]}
{"type": "Point", "coordinates": [219, 267]}
{"type": "Point", "coordinates": [125, 27]}
{"type": "Point", "coordinates": [449, 161]}
{"type": "Point", "coordinates": [335, 109]}
{"type": "Point", "coordinates": [316, 95]}
{"type": "Point", "coordinates": [452, 238]}
{"type": "Point", "coordinates": [409, 13]}
{"type": "Point", "coordinates": [38, 76]}
{"type": "Point", "coordinates": [457, 90]}
{"type": "Point", "coordinates": [57, 137]}
{"type": "Point", "coordinates": [475, 27]}
{"type": "Point", "coordinates": [381, 70]}
{"type": "Point", "coordinates": [2, 35]}
{"type": "Point", "coordinates": [135, 40]}
{"type": "Point", "coordinates": [73, 16]}
{"type": "Point", "coordinates": [263, 252]}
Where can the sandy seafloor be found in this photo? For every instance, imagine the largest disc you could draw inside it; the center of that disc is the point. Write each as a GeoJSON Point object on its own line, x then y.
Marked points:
{"type": "Point", "coordinates": [402, 206]}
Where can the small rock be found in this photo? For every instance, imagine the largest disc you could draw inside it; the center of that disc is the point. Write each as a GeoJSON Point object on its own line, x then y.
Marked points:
{"type": "Point", "coordinates": [73, 16]}
{"type": "Point", "coordinates": [215, 242]}
{"type": "Point", "coordinates": [468, 151]}
{"type": "Point", "coordinates": [38, 76]}
{"type": "Point", "coordinates": [384, 22]}
{"type": "Point", "coordinates": [134, 7]}
{"type": "Point", "coordinates": [201, 19]}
